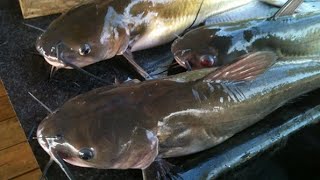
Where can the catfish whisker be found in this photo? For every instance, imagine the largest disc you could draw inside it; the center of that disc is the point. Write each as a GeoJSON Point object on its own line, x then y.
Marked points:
{"type": "Point", "coordinates": [34, 27]}
{"type": "Point", "coordinates": [76, 67]}
{"type": "Point", "coordinates": [169, 65]}
{"type": "Point", "coordinates": [55, 157]}
{"type": "Point", "coordinates": [48, 165]}
{"type": "Point", "coordinates": [76, 84]}
{"type": "Point", "coordinates": [159, 73]}
{"type": "Point", "coordinates": [189, 68]}
{"type": "Point", "coordinates": [41, 103]}
{"type": "Point", "coordinates": [196, 18]}
{"type": "Point", "coordinates": [62, 165]}
{"type": "Point", "coordinates": [185, 64]}
{"type": "Point", "coordinates": [174, 63]}
{"type": "Point", "coordinates": [175, 54]}
{"type": "Point", "coordinates": [53, 71]}
{"type": "Point", "coordinates": [4, 43]}
{"type": "Point", "coordinates": [46, 137]}
{"type": "Point", "coordinates": [31, 132]}
{"type": "Point", "coordinates": [177, 36]}
{"type": "Point", "coordinates": [175, 66]}
{"type": "Point", "coordinates": [166, 66]}
{"type": "Point", "coordinates": [85, 72]}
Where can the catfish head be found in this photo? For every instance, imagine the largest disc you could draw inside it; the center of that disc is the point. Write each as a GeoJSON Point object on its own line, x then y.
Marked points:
{"type": "Point", "coordinates": [84, 35]}
{"type": "Point", "coordinates": [102, 129]}
{"type": "Point", "coordinates": [205, 47]}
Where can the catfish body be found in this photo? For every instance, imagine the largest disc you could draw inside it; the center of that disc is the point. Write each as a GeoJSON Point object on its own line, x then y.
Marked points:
{"type": "Point", "coordinates": [132, 125]}
{"type": "Point", "coordinates": [258, 10]}
{"type": "Point", "coordinates": [217, 45]}
{"type": "Point", "coordinates": [102, 29]}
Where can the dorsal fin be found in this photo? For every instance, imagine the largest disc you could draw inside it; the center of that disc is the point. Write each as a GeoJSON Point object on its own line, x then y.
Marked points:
{"type": "Point", "coordinates": [287, 9]}
{"type": "Point", "coordinates": [247, 67]}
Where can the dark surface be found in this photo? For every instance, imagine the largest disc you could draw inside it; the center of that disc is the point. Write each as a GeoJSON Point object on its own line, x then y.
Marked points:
{"type": "Point", "coordinates": [22, 70]}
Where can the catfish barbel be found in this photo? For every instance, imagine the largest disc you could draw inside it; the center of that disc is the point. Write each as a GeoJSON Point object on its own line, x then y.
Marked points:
{"type": "Point", "coordinates": [103, 29]}
{"type": "Point", "coordinates": [133, 125]}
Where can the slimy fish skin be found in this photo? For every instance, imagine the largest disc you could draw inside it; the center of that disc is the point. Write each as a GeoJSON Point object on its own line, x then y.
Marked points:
{"type": "Point", "coordinates": [216, 45]}
{"type": "Point", "coordinates": [132, 125]}
{"type": "Point", "coordinates": [102, 29]}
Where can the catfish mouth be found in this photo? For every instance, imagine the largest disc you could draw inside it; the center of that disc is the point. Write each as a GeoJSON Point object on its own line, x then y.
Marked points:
{"type": "Point", "coordinates": [75, 161]}
{"type": "Point", "coordinates": [183, 58]}
{"type": "Point", "coordinates": [67, 157]}
{"type": "Point", "coordinates": [67, 60]}
{"type": "Point", "coordinates": [51, 59]}
{"type": "Point", "coordinates": [55, 62]}
{"type": "Point", "coordinates": [59, 56]}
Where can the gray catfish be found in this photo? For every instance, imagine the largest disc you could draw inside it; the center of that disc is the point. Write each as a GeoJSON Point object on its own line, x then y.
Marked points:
{"type": "Point", "coordinates": [258, 10]}
{"type": "Point", "coordinates": [101, 29]}
{"type": "Point", "coordinates": [215, 45]}
{"type": "Point", "coordinates": [133, 125]}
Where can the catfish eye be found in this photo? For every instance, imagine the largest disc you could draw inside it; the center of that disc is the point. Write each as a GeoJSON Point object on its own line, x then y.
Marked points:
{"type": "Point", "coordinates": [84, 49]}
{"type": "Point", "coordinates": [86, 154]}
{"type": "Point", "coordinates": [207, 60]}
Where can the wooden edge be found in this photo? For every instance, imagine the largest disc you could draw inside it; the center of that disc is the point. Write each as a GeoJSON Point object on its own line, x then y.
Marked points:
{"type": "Point", "coordinates": [3, 91]}
{"type": "Point", "coordinates": [22, 7]}
{"type": "Point", "coordinates": [16, 156]}
{"type": "Point", "coordinates": [7, 110]}
{"type": "Point", "coordinates": [34, 174]}
{"type": "Point", "coordinates": [37, 8]}
{"type": "Point", "coordinates": [16, 161]}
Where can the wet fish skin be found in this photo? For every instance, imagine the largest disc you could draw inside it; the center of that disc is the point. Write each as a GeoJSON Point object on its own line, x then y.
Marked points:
{"type": "Point", "coordinates": [131, 125]}
{"type": "Point", "coordinates": [111, 27]}
{"type": "Point", "coordinates": [288, 36]}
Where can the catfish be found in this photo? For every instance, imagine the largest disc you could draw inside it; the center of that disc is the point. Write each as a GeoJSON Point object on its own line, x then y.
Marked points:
{"type": "Point", "coordinates": [137, 125]}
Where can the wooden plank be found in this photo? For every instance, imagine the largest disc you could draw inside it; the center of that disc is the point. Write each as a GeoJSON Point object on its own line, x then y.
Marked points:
{"type": "Point", "coordinates": [6, 110]}
{"type": "Point", "coordinates": [35, 174]}
{"type": "Point", "coordinates": [35, 8]}
{"type": "Point", "coordinates": [16, 161]}
{"type": "Point", "coordinates": [11, 133]}
{"type": "Point", "coordinates": [3, 91]}
{"type": "Point", "coordinates": [16, 157]}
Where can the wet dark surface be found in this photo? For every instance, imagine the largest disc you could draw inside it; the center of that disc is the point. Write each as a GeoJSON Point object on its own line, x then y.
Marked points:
{"type": "Point", "coordinates": [22, 70]}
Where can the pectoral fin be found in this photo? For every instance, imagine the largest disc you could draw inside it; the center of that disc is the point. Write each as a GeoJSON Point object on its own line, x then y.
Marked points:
{"type": "Point", "coordinates": [159, 170]}
{"type": "Point", "coordinates": [128, 55]}
{"type": "Point", "coordinates": [247, 67]}
{"type": "Point", "coordinates": [287, 7]}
